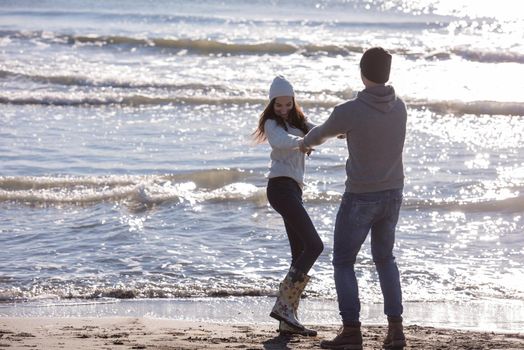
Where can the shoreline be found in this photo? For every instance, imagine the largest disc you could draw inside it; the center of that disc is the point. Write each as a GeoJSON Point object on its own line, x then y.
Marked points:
{"type": "Point", "coordinates": [150, 333]}
{"type": "Point", "coordinates": [501, 316]}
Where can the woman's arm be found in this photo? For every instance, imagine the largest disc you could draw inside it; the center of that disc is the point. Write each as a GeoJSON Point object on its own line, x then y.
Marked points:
{"type": "Point", "coordinates": [278, 138]}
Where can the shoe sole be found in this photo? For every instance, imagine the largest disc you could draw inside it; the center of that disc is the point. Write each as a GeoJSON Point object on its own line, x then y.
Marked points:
{"type": "Point", "coordinates": [395, 345]}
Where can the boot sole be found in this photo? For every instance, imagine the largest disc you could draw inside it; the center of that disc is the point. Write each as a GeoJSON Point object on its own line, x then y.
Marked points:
{"type": "Point", "coordinates": [280, 318]}
{"type": "Point", "coordinates": [277, 317]}
{"type": "Point", "coordinates": [341, 347]}
{"type": "Point", "coordinates": [305, 332]}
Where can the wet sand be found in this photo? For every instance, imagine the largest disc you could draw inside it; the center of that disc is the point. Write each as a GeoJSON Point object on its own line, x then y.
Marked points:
{"type": "Point", "coordinates": [146, 333]}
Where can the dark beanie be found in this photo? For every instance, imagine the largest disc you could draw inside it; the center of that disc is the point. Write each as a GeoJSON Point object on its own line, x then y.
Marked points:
{"type": "Point", "coordinates": [375, 65]}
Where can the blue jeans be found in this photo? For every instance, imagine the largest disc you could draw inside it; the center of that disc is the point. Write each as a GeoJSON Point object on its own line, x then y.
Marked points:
{"type": "Point", "coordinates": [358, 214]}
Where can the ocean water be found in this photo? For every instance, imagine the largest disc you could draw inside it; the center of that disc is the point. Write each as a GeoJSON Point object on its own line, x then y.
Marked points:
{"type": "Point", "coordinates": [127, 168]}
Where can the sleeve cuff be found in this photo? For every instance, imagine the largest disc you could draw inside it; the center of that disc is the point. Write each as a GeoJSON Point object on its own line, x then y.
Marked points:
{"type": "Point", "coordinates": [305, 143]}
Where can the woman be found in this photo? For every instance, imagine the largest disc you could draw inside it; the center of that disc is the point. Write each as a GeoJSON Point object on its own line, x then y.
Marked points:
{"type": "Point", "coordinates": [283, 125]}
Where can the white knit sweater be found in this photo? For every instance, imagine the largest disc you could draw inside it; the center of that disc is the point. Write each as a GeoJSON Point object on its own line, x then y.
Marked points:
{"type": "Point", "coordinates": [286, 158]}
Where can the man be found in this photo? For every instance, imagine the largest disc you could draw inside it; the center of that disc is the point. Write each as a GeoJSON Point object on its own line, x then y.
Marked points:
{"type": "Point", "coordinates": [375, 126]}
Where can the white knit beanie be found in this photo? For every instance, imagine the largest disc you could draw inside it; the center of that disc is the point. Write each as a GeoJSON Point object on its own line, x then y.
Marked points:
{"type": "Point", "coordinates": [280, 87]}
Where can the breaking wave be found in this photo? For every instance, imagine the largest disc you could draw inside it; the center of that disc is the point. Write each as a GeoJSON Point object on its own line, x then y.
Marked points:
{"type": "Point", "coordinates": [215, 47]}
{"type": "Point", "coordinates": [86, 293]}
{"type": "Point", "coordinates": [321, 99]}
{"type": "Point", "coordinates": [138, 192]}
{"type": "Point", "coordinates": [132, 100]}
{"type": "Point", "coordinates": [207, 186]}
{"type": "Point", "coordinates": [488, 56]}
{"type": "Point", "coordinates": [72, 80]}
{"type": "Point", "coordinates": [469, 107]}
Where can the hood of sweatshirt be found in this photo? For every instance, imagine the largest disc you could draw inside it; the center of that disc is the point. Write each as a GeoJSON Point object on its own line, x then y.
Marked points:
{"type": "Point", "coordinates": [380, 97]}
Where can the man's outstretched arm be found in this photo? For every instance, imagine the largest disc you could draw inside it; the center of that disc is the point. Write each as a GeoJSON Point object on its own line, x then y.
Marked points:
{"type": "Point", "coordinates": [332, 127]}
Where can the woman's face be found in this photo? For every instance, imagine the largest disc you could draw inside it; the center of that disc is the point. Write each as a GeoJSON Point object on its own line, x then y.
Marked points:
{"type": "Point", "coordinates": [283, 104]}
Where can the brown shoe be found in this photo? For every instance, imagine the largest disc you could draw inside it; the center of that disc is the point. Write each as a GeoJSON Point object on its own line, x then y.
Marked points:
{"type": "Point", "coordinates": [395, 338]}
{"type": "Point", "coordinates": [348, 338]}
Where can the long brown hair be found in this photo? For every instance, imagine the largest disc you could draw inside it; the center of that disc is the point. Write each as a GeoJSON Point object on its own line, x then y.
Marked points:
{"type": "Point", "coordinates": [297, 119]}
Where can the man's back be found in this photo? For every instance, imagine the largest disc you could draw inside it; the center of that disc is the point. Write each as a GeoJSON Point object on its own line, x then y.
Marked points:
{"type": "Point", "coordinates": [375, 127]}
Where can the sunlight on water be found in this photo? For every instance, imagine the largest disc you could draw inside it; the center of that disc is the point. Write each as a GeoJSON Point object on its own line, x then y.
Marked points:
{"type": "Point", "coordinates": [129, 170]}
{"type": "Point", "coordinates": [136, 224]}
{"type": "Point", "coordinates": [475, 131]}
{"type": "Point", "coordinates": [504, 9]}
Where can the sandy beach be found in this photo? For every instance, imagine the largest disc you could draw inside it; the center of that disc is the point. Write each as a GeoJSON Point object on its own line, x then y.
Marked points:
{"type": "Point", "coordinates": [145, 333]}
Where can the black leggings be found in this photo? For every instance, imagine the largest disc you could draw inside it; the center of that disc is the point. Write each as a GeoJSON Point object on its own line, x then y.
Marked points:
{"type": "Point", "coordinates": [285, 196]}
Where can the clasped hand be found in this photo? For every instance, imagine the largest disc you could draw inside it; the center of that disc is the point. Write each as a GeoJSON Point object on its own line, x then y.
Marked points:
{"type": "Point", "coordinates": [305, 149]}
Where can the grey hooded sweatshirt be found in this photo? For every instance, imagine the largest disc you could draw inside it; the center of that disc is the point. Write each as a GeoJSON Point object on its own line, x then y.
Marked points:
{"type": "Point", "coordinates": [375, 127]}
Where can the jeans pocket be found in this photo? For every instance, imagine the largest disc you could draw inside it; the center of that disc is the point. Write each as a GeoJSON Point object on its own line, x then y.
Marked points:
{"type": "Point", "coordinates": [364, 213]}
{"type": "Point", "coordinates": [394, 208]}
{"type": "Point", "coordinates": [359, 210]}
